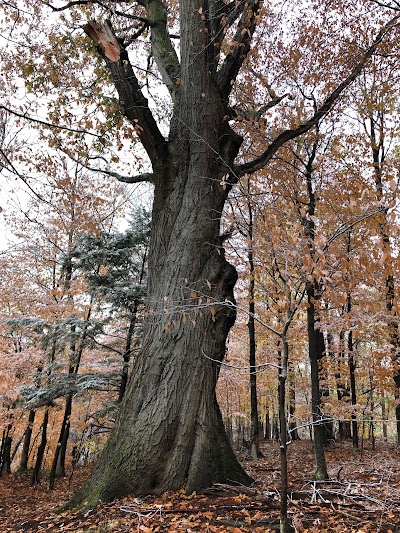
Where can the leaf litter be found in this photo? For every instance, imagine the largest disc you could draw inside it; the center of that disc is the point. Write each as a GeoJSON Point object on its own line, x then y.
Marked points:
{"type": "Point", "coordinates": [362, 496]}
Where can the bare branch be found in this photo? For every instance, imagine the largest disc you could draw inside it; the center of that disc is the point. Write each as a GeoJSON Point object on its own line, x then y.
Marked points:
{"type": "Point", "coordinates": [68, 4]}
{"type": "Point", "coordinates": [11, 168]}
{"type": "Point", "coordinates": [246, 368]}
{"type": "Point", "coordinates": [396, 5]}
{"type": "Point", "coordinates": [236, 111]}
{"type": "Point", "coordinates": [73, 3]}
{"type": "Point", "coordinates": [48, 124]}
{"type": "Point", "coordinates": [139, 178]}
{"type": "Point", "coordinates": [221, 17]}
{"type": "Point", "coordinates": [345, 228]}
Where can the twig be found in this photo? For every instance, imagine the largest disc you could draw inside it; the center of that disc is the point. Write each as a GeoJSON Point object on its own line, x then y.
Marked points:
{"type": "Point", "coordinates": [152, 511]}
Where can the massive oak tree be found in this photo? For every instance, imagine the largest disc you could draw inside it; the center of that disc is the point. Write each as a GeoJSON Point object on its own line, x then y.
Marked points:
{"type": "Point", "coordinates": [169, 430]}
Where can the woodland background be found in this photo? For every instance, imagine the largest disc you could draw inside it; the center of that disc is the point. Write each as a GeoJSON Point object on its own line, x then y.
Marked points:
{"type": "Point", "coordinates": [314, 237]}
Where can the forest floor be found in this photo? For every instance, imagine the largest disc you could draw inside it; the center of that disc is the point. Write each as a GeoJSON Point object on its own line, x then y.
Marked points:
{"type": "Point", "coordinates": [362, 496]}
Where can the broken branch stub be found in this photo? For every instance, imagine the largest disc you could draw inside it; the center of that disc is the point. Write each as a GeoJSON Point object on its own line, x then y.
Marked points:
{"type": "Point", "coordinates": [105, 39]}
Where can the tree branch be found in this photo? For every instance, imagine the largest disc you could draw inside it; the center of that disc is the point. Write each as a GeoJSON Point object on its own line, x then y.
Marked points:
{"type": "Point", "coordinates": [11, 168]}
{"type": "Point", "coordinates": [69, 4]}
{"type": "Point", "coordinates": [221, 17]}
{"type": "Point", "coordinates": [45, 123]}
{"type": "Point", "coordinates": [73, 3]}
{"type": "Point", "coordinates": [240, 46]}
{"type": "Point", "coordinates": [345, 228]}
{"type": "Point", "coordinates": [236, 111]}
{"type": "Point", "coordinates": [162, 48]}
{"type": "Point", "coordinates": [132, 101]}
{"type": "Point", "coordinates": [287, 135]}
{"type": "Point", "coordinates": [139, 178]}
{"type": "Point", "coordinates": [396, 5]}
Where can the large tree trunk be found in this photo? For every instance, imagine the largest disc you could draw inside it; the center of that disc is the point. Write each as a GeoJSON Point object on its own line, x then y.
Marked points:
{"type": "Point", "coordinates": [169, 430]}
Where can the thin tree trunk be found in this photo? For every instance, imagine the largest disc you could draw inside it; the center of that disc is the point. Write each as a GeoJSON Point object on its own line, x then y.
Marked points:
{"type": "Point", "coordinates": [57, 466]}
{"type": "Point", "coordinates": [294, 434]}
{"type": "Point", "coordinates": [342, 391]}
{"type": "Point", "coordinates": [384, 416]}
{"type": "Point", "coordinates": [315, 351]}
{"type": "Point", "coordinates": [254, 420]}
{"type": "Point", "coordinates": [60, 470]}
{"type": "Point", "coordinates": [127, 353]}
{"type": "Point", "coordinates": [7, 455]}
{"type": "Point", "coordinates": [284, 522]}
{"type": "Point", "coordinates": [43, 442]}
{"type": "Point", "coordinates": [128, 345]}
{"type": "Point", "coordinates": [41, 449]}
{"type": "Point", "coordinates": [2, 448]}
{"type": "Point", "coordinates": [316, 347]}
{"type": "Point", "coordinates": [377, 138]}
{"type": "Point", "coordinates": [58, 463]}
{"type": "Point", "coordinates": [5, 450]}
{"type": "Point", "coordinates": [371, 426]}
{"type": "Point", "coordinates": [352, 372]}
{"type": "Point", "coordinates": [267, 429]}
{"type": "Point", "coordinates": [275, 427]}
{"type": "Point", "coordinates": [23, 465]}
